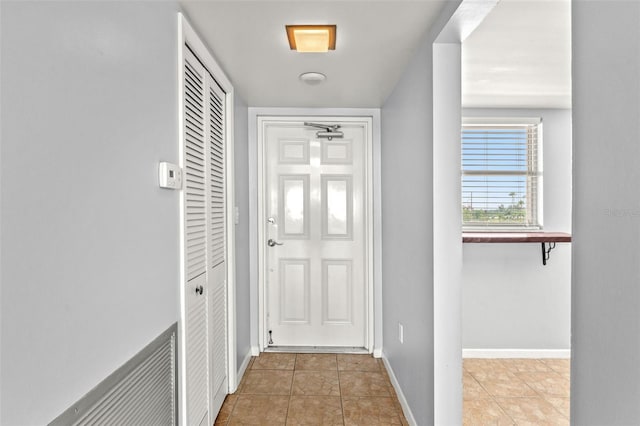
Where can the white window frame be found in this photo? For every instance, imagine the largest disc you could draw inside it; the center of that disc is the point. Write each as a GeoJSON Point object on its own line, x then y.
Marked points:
{"type": "Point", "coordinates": [534, 175]}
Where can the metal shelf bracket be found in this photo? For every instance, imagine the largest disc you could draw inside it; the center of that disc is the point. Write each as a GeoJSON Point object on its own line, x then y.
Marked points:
{"type": "Point", "coordinates": [546, 251]}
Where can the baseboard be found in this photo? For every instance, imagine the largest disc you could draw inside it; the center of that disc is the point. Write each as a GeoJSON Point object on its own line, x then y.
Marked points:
{"type": "Point", "coordinates": [516, 353]}
{"type": "Point", "coordinates": [242, 369]}
{"type": "Point", "coordinates": [396, 385]}
{"type": "Point", "coordinates": [377, 353]}
{"type": "Point", "coordinates": [255, 351]}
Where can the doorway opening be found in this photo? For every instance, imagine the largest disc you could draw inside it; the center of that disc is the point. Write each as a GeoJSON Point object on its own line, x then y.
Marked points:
{"type": "Point", "coordinates": [516, 307]}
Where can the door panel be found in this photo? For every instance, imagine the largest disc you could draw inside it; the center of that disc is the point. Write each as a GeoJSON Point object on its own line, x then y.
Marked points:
{"type": "Point", "coordinates": [315, 203]}
{"type": "Point", "coordinates": [337, 291]}
{"type": "Point", "coordinates": [197, 369]}
{"type": "Point", "coordinates": [195, 196]}
{"type": "Point", "coordinates": [216, 265]}
{"type": "Point", "coordinates": [204, 199]}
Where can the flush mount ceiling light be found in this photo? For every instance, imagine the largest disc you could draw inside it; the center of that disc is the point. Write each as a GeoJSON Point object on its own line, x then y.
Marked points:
{"type": "Point", "coordinates": [312, 38]}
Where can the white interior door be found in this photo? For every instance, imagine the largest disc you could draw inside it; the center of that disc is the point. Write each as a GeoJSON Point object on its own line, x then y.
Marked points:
{"type": "Point", "coordinates": [216, 262]}
{"type": "Point", "coordinates": [203, 198]}
{"type": "Point", "coordinates": [315, 236]}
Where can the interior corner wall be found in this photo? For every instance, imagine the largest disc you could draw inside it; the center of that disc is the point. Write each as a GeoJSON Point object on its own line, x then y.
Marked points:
{"type": "Point", "coordinates": [243, 265]}
{"type": "Point", "coordinates": [90, 243]}
{"type": "Point", "coordinates": [510, 301]}
{"type": "Point", "coordinates": [407, 233]}
{"type": "Point", "coordinates": [605, 378]}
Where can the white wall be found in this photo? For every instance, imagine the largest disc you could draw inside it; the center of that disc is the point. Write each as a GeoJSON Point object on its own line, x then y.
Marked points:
{"type": "Point", "coordinates": [605, 377]}
{"type": "Point", "coordinates": [510, 300]}
{"type": "Point", "coordinates": [90, 268]}
{"type": "Point", "coordinates": [243, 264]}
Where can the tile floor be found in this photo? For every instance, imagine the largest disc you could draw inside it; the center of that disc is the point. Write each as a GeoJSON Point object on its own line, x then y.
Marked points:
{"type": "Point", "coordinates": [313, 389]}
{"type": "Point", "coordinates": [516, 391]}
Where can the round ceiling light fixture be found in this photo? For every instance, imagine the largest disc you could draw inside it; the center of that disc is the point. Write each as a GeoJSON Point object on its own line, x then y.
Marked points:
{"type": "Point", "coordinates": [312, 78]}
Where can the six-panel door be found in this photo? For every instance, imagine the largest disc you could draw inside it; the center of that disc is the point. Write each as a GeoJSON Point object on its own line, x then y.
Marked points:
{"type": "Point", "coordinates": [315, 205]}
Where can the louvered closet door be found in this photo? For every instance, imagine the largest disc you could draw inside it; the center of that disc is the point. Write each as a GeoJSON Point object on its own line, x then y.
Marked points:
{"type": "Point", "coordinates": [205, 219]}
{"type": "Point", "coordinates": [216, 244]}
{"type": "Point", "coordinates": [195, 205]}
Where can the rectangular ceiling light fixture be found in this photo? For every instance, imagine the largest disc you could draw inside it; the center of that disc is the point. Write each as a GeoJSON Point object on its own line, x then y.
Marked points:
{"type": "Point", "coordinates": [312, 38]}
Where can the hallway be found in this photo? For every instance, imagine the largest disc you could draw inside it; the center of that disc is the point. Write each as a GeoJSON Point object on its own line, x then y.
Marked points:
{"type": "Point", "coordinates": [327, 389]}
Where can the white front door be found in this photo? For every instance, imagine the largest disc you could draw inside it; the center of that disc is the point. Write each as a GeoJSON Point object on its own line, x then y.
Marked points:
{"type": "Point", "coordinates": [315, 232]}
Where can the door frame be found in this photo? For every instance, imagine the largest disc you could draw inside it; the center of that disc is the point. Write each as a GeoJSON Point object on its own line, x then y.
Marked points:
{"type": "Point", "coordinates": [259, 118]}
{"type": "Point", "coordinates": [187, 35]}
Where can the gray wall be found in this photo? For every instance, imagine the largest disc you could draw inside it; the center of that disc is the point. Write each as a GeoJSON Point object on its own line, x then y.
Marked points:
{"type": "Point", "coordinates": [407, 233]}
{"type": "Point", "coordinates": [605, 377]}
{"type": "Point", "coordinates": [509, 299]}
{"type": "Point", "coordinates": [241, 163]}
{"type": "Point", "coordinates": [407, 226]}
{"type": "Point", "coordinates": [90, 268]}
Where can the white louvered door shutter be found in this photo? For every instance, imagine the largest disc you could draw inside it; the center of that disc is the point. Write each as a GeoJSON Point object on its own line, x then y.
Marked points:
{"type": "Point", "coordinates": [195, 234]}
{"type": "Point", "coordinates": [216, 244]}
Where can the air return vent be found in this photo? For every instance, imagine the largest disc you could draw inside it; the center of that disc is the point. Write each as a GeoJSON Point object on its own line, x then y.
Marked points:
{"type": "Point", "coordinates": [141, 392]}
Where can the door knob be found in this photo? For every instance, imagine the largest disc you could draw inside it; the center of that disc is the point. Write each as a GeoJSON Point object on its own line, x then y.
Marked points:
{"type": "Point", "coordinates": [273, 243]}
{"type": "Point", "coordinates": [199, 289]}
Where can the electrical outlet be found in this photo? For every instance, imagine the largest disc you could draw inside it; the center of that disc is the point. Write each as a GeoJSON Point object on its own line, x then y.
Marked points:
{"type": "Point", "coordinates": [401, 333]}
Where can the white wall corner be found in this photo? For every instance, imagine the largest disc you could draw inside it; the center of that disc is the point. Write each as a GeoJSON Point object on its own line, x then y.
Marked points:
{"type": "Point", "coordinates": [408, 414]}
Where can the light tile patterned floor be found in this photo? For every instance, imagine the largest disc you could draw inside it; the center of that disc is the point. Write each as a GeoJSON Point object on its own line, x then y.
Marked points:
{"type": "Point", "coordinates": [516, 391]}
{"type": "Point", "coordinates": [313, 389]}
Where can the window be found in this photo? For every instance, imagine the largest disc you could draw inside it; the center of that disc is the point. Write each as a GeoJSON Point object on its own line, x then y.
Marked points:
{"type": "Point", "coordinates": [501, 174]}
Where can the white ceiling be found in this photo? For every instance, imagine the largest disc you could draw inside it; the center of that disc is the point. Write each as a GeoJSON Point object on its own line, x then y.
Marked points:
{"type": "Point", "coordinates": [521, 48]}
{"type": "Point", "coordinates": [520, 56]}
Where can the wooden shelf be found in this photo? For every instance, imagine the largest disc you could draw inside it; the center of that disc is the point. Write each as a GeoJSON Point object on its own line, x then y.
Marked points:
{"type": "Point", "coordinates": [544, 238]}
{"type": "Point", "coordinates": [516, 237]}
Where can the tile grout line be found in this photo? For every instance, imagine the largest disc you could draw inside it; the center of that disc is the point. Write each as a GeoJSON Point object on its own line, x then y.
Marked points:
{"type": "Point", "coordinates": [293, 375]}
{"type": "Point", "coordinates": [544, 397]}
{"type": "Point", "coordinates": [537, 394]}
{"type": "Point", "coordinates": [344, 422]}
{"type": "Point", "coordinates": [493, 398]}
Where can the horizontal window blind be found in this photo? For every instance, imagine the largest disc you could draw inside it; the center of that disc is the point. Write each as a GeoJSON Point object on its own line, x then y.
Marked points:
{"type": "Point", "coordinates": [500, 175]}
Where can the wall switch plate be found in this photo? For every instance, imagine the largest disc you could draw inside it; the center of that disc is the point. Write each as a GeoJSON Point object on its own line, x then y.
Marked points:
{"type": "Point", "coordinates": [401, 333]}
{"type": "Point", "coordinates": [169, 176]}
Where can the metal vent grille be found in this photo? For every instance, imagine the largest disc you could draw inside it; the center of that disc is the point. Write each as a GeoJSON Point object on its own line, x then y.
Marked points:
{"type": "Point", "coordinates": [141, 392]}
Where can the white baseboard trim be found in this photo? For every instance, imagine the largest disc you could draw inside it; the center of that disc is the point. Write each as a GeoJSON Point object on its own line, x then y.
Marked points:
{"type": "Point", "coordinates": [255, 351]}
{"type": "Point", "coordinates": [516, 353]}
{"type": "Point", "coordinates": [403, 401]}
{"type": "Point", "coordinates": [242, 370]}
{"type": "Point", "coordinates": [377, 353]}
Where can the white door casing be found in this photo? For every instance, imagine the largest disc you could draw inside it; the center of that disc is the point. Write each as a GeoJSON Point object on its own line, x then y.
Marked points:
{"type": "Point", "coordinates": [316, 204]}
{"type": "Point", "coordinates": [206, 340]}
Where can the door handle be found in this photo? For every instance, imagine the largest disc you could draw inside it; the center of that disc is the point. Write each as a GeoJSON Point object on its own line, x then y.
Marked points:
{"type": "Point", "coordinates": [273, 243]}
{"type": "Point", "coordinates": [199, 289]}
